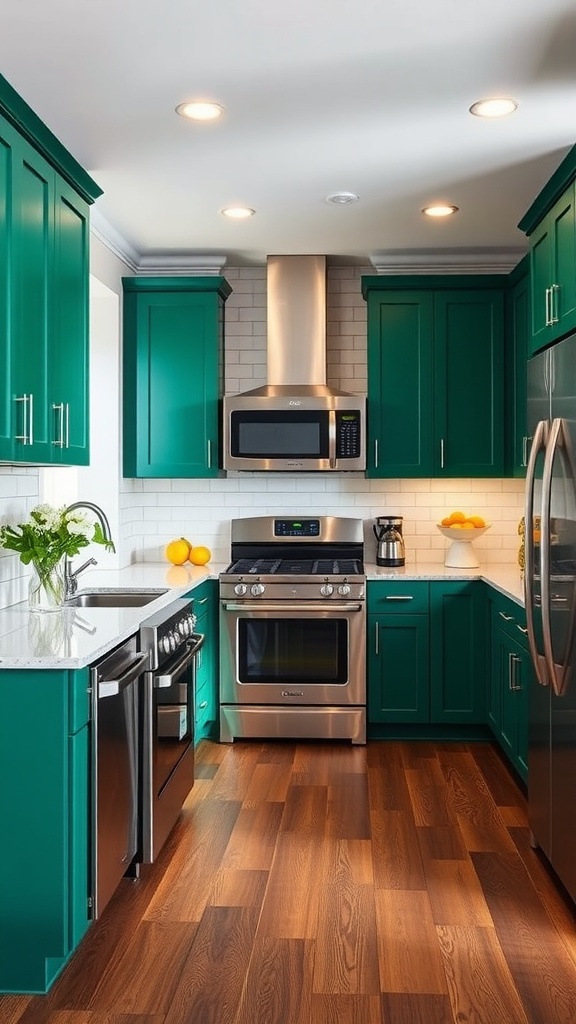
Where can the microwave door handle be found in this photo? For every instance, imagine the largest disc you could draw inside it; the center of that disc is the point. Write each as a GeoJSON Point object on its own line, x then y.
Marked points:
{"type": "Point", "coordinates": [538, 445]}
{"type": "Point", "coordinates": [332, 438]}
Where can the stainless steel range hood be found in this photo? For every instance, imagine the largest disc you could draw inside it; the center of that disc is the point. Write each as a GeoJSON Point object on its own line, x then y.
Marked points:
{"type": "Point", "coordinates": [296, 327]}
{"type": "Point", "coordinates": [295, 421]}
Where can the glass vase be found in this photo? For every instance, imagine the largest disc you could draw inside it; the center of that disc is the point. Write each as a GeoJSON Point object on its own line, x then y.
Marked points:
{"type": "Point", "coordinates": [46, 588]}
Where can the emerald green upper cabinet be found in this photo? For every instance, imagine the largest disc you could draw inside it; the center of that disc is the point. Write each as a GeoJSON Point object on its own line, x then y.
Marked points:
{"type": "Point", "coordinates": [173, 342]}
{"type": "Point", "coordinates": [435, 376]}
{"type": "Point", "coordinates": [44, 246]}
{"type": "Point", "coordinates": [517, 351]}
{"type": "Point", "coordinates": [551, 225]}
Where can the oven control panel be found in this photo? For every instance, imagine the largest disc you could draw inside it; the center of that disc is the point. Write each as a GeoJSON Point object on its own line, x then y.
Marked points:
{"type": "Point", "coordinates": [296, 527]}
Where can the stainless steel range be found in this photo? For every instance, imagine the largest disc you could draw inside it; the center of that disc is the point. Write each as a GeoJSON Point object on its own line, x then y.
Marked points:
{"type": "Point", "coordinates": [293, 630]}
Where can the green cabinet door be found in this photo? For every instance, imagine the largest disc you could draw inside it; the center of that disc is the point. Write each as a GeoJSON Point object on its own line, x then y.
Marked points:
{"type": "Point", "coordinates": [7, 138]}
{"type": "Point", "coordinates": [553, 272]}
{"type": "Point", "coordinates": [517, 351]}
{"type": "Point", "coordinates": [469, 383]}
{"type": "Point", "coordinates": [435, 376]}
{"type": "Point", "coordinates": [32, 215]}
{"type": "Point", "coordinates": [69, 353]}
{"type": "Point", "coordinates": [457, 652]}
{"type": "Point", "coordinates": [400, 360]}
{"type": "Point", "coordinates": [205, 598]}
{"type": "Point", "coordinates": [43, 310]}
{"type": "Point", "coordinates": [44, 809]}
{"type": "Point", "coordinates": [173, 336]}
{"type": "Point", "coordinates": [398, 668]}
{"type": "Point", "coordinates": [510, 679]}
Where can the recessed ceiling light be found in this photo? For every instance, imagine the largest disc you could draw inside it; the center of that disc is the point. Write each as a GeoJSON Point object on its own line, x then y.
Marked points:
{"type": "Point", "coordinates": [238, 212]}
{"type": "Point", "coordinates": [341, 198]}
{"type": "Point", "coordinates": [497, 107]}
{"type": "Point", "coordinates": [439, 210]}
{"type": "Point", "coordinates": [200, 110]}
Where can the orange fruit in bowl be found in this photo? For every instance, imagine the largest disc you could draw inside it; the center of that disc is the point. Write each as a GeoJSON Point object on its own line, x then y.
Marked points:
{"type": "Point", "coordinates": [446, 521]}
{"type": "Point", "coordinates": [478, 522]}
{"type": "Point", "coordinates": [467, 525]}
{"type": "Point", "coordinates": [456, 517]}
{"type": "Point", "coordinates": [177, 551]}
{"type": "Point", "coordinates": [200, 555]}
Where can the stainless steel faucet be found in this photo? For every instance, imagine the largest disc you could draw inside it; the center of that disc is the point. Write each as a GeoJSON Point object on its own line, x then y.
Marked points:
{"type": "Point", "coordinates": [71, 577]}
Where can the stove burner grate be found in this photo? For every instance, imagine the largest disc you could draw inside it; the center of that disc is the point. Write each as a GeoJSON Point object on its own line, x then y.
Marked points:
{"type": "Point", "coordinates": [297, 567]}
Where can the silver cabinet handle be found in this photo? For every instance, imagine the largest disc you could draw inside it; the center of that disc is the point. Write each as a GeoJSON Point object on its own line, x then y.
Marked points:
{"type": "Point", "coordinates": [525, 450]}
{"type": "Point", "coordinates": [27, 435]}
{"type": "Point", "coordinates": [59, 408]}
{"type": "Point", "coordinates": [209, 454]}
{"type": "Point", "coordinates": [548, 313]}
{"type": "Point", "coordinates": [522, 629]}
{"type": "Point", "coordinates": [203, 705]}
{"type": "Point", "coordinates": [399, 597]}
{"type": "Point", "coordinates": [375, 453]}
{"type": "Point", "coordinates": [376, 638]}
{"type": "Point", "coordinates": [507, 618]}
{"type": "Point", "coordinates": [554, 290]}
{"type": "Point", "coordinates": [441, 453]}
{"type": "Point", "coordinates": [513, 661]}
{"type": "Point", "coordinates": [202, 600]}
{"type": "Point", "coordinates": [67, 426]}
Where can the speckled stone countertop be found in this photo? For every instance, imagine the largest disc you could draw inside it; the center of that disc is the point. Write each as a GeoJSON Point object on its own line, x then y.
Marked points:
{"type": "Point", "coordinates": [76, 637]}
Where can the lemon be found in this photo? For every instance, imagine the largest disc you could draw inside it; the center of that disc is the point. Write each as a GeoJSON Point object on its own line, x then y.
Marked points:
{"type": "Point", "coordinates": [200, 555]}
{"type": "Point", "coordinates": [456, 517]}
{"type": "Point", "coordinates": [477, 521]}
{"type": "Point", "coordinates": [177, 551]}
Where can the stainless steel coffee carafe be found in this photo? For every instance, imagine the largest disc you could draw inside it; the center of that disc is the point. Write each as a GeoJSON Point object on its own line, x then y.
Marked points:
{"type": "Point", "coordinates": [390, 550]}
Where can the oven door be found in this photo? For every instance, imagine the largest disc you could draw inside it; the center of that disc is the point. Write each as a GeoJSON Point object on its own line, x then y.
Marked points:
{"type": "Point", "coordinates": [304, 653]}
{"type": "Point", "coordinates": [168, 745]}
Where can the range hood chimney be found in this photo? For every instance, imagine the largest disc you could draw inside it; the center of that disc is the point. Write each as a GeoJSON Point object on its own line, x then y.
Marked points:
{"type": "Point", "coordinates": [296, 335]}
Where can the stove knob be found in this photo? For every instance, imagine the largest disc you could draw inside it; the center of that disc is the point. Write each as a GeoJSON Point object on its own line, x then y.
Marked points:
{"type": "Point", "coordinates": [344, 590]}
{"type": "Point", "coordinates": [257, 589]}
{"type": "Point", "coordinates": [240, 589]}
{"type": "Point", "coordinates": [165, 644]}
{"type": "Point", "coordinates": [184, 627]}
{"type": "Point", "coordinates": [326, 589]}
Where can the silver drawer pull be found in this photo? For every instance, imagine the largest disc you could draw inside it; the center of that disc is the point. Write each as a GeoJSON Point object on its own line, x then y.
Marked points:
{"type": "Point", "coordinates": [203, 705]}
{"type": "Point", "coordinates": [399, 597]}
{"type": "Point", "coordinates": [507, 618]}
{"type": "Point", "coordinates": [522, 629]}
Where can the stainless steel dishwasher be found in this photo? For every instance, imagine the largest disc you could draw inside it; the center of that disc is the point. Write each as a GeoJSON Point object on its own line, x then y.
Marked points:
{"type": "Point", "coordinates": [115, 765]}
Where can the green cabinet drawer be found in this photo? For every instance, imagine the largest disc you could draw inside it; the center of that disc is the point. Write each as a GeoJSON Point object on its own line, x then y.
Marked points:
{"type": "Point", "coordinates": [398, 596]}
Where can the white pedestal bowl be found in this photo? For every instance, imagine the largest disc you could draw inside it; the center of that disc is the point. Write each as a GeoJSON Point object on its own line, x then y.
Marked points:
{"type": "Point", "coordinates": [460, 554]}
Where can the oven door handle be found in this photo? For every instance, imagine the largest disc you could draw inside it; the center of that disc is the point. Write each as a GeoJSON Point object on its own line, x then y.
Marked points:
{"type": "Point", "coordinates": [299, 606]}
{"type": "Point", "coordinates": [165, 679]}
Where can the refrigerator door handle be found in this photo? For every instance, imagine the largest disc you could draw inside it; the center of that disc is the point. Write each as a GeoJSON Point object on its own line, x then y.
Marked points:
{"type": "Point", "coordinates": [558, 440]}
{"type": "Point", "coordinates": [538, 445]}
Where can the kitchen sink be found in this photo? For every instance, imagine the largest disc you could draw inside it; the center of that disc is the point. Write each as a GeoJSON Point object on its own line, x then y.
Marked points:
{"type": "Point", "coordinates": [115, 599]}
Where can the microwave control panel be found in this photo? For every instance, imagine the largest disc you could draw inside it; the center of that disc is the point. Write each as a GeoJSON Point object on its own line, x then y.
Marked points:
{"type": "Point", "coordinates": [348, 434]}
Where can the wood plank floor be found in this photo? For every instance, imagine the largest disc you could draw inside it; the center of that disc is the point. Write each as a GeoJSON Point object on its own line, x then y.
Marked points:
{"type": "Point", "coordinates": [317, 883]}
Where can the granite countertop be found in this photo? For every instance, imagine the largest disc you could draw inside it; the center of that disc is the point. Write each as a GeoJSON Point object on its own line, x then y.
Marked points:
{"type": "Point", "coordinates": [77, 637]}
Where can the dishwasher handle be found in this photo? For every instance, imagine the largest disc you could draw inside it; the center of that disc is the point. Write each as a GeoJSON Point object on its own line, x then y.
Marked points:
{"type": "Point", "coordinates": [112, 687]}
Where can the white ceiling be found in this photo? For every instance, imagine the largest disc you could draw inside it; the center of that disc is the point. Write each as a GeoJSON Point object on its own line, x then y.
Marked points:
{"type": "Point", "coordinates": [369, 96]}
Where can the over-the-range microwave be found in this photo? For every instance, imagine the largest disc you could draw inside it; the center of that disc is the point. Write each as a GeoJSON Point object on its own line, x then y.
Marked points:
{"type": "Point", "coordinates": [294, 433]}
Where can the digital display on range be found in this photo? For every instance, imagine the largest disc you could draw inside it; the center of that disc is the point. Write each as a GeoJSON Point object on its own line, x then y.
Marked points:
{"type": "Point", "coordinates": [296, 527]}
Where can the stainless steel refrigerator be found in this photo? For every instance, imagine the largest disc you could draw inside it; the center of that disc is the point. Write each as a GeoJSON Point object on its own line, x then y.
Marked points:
{"type": "Point", "coordinates": [550, 591]}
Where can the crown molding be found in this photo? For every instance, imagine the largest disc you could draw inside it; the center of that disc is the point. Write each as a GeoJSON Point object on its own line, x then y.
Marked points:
{"type": "Point", "coordinates": [181, 263]}
{"type": "Point", "coordinates": [447, 261]}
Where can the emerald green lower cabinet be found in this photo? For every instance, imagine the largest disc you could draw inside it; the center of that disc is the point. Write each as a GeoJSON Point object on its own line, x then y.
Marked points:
{"type": "Point", "coordinates": [173, 348]}
{"type": "Point", "coordinates": [510, 678]}
{"type": "Point", "coordinates": [44, 808]}
{"type": "Point", "coordinates": [398, 654]}
{"type": "Point", "coordinates": [426, 653]}
{"type": "Point", "coordinates": [457, 652]}
{"type": "Point", "coordinates": [206, 694]}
